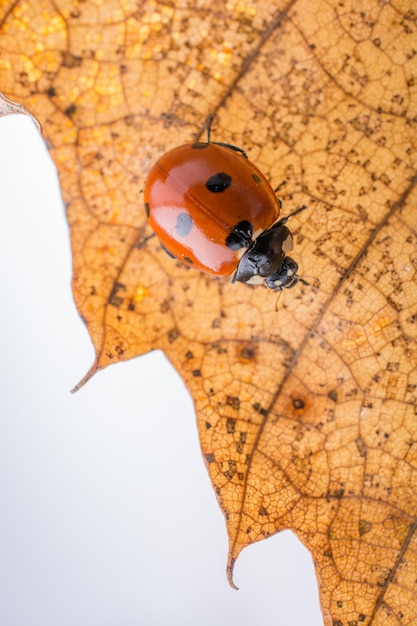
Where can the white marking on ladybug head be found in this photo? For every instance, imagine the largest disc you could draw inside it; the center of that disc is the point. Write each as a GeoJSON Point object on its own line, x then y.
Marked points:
{"type": "Point", "coordinates": [288, 244]}
{"type": "Point", "coordinates": [255, 280]}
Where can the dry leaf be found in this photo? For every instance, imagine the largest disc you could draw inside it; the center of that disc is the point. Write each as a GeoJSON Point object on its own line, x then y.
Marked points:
{"type": "Point", "coordinates": [306, 416]}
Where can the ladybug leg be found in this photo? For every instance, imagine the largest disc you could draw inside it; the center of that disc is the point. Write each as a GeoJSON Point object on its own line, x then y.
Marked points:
{"type": "Point", "coordinates": [209, 123]}
{"type": "Point", "coordinates": [229, 145]}
{"type": "Point", "coordinates": [221, 143]}
{"type": "Point", "coordinates": [284, 182]}
{"type": "Point", "coordinates": [284, 220]}
{"type": "Point", "coordinates": [172, 256]}
{"type": "Point", "coordinates": [143, 242]}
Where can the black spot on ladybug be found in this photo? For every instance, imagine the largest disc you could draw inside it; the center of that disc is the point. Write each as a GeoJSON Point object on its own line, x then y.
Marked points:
{"type": "Point", "coordinates": [219, 182]}
{"type": "Point", "coordinates": [298, 403]}
{"type": "Point", "coordinates": [184, 224]}
{"type": "Point", "coordinates": [241, 237]}
{"type": "Point", "coordinates": [147, 209]}
{"type": "Point", "coordinates": [187, 259]}
{"type": "Point", "coordinates": [256, 178]}
{"type": "Point", "coordinates": [199, 145]}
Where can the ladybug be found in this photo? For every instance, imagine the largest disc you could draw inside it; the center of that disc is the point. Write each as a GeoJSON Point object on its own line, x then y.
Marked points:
{"type": "Point", "coordinates": [214, 210]}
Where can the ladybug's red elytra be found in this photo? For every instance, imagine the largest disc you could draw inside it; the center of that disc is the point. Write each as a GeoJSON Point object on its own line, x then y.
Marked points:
{"type": "Point", "coordinates": [214, 210]}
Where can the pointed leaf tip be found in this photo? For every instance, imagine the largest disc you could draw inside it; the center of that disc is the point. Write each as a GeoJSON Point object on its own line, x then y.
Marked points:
{"type": "Point", "coordinates": [229, 573]}
{"type": "Point", "coordinates": [93, 370]}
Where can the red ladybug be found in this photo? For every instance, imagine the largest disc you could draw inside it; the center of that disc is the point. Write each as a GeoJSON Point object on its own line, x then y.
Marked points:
{"type": "Point", "coordinates": [212, 209]}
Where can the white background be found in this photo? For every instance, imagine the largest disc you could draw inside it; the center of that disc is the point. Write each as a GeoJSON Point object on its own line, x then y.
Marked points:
{"type": "Point", "coordinates": [107, 514]}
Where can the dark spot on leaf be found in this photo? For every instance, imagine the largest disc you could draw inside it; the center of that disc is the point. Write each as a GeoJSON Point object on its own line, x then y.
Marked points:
{"type": "Point", "coordinates": [298, 403]}
{"type": "Point", "coordinates": [247, 353]}
{"type": "Point", "coordinates": [208, 425]}
{"type": "Point", "coordinates": [233, 401]}
{"type": "Point", "coordinates": [114, 299]}
{"type": "Point", "coordinates": [333, 395]}
{"type": "Point", "coordinates": [164, 308]}
{"type": "Point", "coordinates": [189, 355]}
{"type": "Point", "coordinates": [263, 511]}
{"type": "Point", "coordinates": [219, 182]}
{"type": "Point", "coordinates": [209, 458]}
{"type": "Point", "coordinates": [337, 493]}
{"type": "Point", "coordinates": [364, 527]}
{"type": "Point", "coordinates": [196, 373]}
{"type": "Point", "coordinates": [231, 471]}
{"type": "Point", "coordinates": [69, 111]}
{"type": "Point", "coordinates": [173, 334]}
{"type": "Point", "coordinates": [259, 409]}
{"type": "Point", "coordinates": [51, 92]}
{"type": "Point", "coordinates": [230, 425]}
{"type": "Point", "coordinates": [184, 224]}
{"type": "Point", "coordinates": [71, 60]}
{"type": "Point", "coordinates": [361, 446]}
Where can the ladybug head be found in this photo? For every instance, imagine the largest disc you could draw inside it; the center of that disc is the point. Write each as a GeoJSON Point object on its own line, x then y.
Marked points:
{"type": "Point", "coordinates": [266, 260]}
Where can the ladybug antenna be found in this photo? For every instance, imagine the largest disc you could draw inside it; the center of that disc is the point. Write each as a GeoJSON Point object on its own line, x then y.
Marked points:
{"type": "Point", "coordinates": [284, 182]}
{"type": "Point", "coordinates": [276, 301]}
{"type": "Point", "coordinates": [209, 123]}
{"type": "Point", "coordinates": [300, 279]}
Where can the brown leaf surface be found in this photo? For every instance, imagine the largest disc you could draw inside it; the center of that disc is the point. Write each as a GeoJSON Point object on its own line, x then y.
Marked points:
{"type": "Point", "coordinates": [306, 416]}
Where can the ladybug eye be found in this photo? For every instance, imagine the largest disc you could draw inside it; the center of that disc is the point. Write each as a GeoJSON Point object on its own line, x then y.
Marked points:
{"type": "Point", "coordinates": [219, 182]}
{"type": "Point", "coordinates": [241, 237]}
